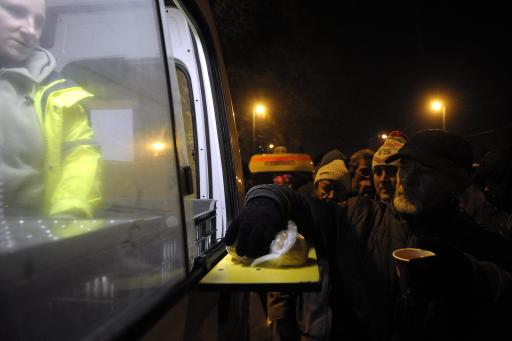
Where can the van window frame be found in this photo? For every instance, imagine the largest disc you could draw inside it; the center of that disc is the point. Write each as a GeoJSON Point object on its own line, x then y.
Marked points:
{"type": "Point", "coordinates": [182, 67]}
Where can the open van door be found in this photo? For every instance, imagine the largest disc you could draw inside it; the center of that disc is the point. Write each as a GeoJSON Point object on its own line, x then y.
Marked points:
{"type": "Point", "coordinates": [171, 181]}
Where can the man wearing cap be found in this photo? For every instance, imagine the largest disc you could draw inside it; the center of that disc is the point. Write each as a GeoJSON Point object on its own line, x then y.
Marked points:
{"type": "Point", "coordinates": [463, 292]}
{"type": "Point", "coordinates": [332, 182]}
{"type": "Point", "coordinates": [384, 174]}
{"type": "Point", "coordinates": [335, 154]}
{"type": "Point", "coordinates": [290, 314]}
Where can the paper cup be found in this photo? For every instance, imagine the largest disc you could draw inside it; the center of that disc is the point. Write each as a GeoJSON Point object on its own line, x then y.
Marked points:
{"type": "Point", "coordinates": [402, 258]}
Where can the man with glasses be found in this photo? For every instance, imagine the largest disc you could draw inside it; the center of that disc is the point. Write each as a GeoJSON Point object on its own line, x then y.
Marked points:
{"type": "Point", "coordinates": [384, 174]}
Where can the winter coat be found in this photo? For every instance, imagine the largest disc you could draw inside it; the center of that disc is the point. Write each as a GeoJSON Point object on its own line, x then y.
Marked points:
{"type": "Point", "coordinates": [72, 160]}
{"type": "Point", "coordinates": [49, 163]}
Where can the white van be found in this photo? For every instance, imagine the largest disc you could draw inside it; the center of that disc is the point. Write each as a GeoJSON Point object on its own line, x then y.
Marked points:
{"type": "Point", "coordinates": [171, 182]}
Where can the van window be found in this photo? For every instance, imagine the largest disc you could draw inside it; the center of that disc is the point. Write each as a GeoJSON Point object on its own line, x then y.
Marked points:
{"type": "Point", "coordinates": [185, 90]}
{"type": "Point", "coordinates": [122, 188]}
{"type": "Point", "coordinates": [92, 224]}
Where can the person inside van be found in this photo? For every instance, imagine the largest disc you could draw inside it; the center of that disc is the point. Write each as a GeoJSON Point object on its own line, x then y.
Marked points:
{"type": "Point", "coordinates": [49, 164]}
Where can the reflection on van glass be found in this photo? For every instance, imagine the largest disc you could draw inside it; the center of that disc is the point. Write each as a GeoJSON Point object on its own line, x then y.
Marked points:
{"type": "Point", "coordinates": [21, 233]}
{"type": "Point", "coordinates": [129, 115]}
{"type": "Point", "coordinates": [49, 163]}
{"type": "Point", "coordinates": [112, 165]}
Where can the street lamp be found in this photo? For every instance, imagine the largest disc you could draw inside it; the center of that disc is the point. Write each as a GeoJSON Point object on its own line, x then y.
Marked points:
{"type": "Point", "coordinates": [439, 106]}
{"type": "Point", "coordinates": [259, 110]}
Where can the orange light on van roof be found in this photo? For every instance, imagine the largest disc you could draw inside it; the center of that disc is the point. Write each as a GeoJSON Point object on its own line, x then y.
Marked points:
{"type": "Point", "coordinates": [288, 162]}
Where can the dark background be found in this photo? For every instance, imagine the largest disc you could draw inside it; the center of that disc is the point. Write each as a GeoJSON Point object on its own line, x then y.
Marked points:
{"type": "Point", "coordinates": [336, 74]}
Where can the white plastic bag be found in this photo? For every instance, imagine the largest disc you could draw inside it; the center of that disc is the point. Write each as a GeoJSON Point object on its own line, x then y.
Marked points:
{"type": "Point", "coordinates": [289, 248]}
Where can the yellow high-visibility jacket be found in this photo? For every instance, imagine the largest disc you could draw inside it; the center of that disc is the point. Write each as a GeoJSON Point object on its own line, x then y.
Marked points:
{"type": "Point", "coordinates": [72, 160]}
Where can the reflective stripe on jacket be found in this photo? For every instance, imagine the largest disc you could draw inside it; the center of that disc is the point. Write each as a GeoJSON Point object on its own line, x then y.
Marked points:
{"type": "Point", "coordinates": [72, 160]}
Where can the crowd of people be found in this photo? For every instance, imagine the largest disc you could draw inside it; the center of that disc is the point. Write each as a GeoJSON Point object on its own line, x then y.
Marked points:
{"type": "Point", "coordinates": [423, 192]}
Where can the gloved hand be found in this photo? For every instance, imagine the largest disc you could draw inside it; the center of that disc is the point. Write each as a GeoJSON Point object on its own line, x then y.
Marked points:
{"type": "Point", "coordinates": [447, 274]}
{"type": "Point", "coordinates": [255, 228]}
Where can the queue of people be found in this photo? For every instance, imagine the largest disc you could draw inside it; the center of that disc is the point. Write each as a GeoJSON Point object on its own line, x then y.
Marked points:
{"type": "Point", "coordinates": [423, 192]}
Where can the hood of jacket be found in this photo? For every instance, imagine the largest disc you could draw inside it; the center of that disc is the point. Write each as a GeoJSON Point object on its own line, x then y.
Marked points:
{"type": "Point", "coordinates": [37, 67]}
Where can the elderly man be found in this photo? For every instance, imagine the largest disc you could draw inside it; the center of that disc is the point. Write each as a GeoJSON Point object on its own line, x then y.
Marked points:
{"type": "Point", "coordinates": [48, 164]}
{"type": "Point", "coordinates": [384, 174]}
{"type": "Point", "coordinates": [463, 292]}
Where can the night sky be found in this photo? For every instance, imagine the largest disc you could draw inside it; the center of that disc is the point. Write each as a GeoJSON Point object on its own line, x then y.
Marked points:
{"type": "Point", "coordinates": [336, 75]}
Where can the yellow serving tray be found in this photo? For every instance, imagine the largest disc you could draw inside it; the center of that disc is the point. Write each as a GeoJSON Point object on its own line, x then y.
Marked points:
{"type": "Point", "coordinates": [234, 276]}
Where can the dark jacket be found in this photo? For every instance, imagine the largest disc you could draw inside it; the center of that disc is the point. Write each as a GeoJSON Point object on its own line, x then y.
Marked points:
{"type": "Point", "coordinates": [358, 242]}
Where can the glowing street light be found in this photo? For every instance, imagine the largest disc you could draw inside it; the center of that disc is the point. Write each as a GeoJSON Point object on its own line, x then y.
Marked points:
{"type": "Point", "coordinates": [259, 110]}
{"type": "Point", "coordinates": [439, 106]}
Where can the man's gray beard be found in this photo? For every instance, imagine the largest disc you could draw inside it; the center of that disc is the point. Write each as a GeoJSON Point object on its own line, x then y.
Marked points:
{"type": "Point", "coordinates": [405, 206]}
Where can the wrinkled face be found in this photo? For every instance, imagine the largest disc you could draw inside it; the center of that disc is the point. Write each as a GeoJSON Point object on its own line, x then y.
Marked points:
{"type": "Point", "coordinates": [330, 190]}
{"type": "Point", "coordinates": [384, 180]}
{"type": "Point", "coordinates": [362, 180]}
{"type": "Point", "coordinates": [420, 188]}
{"type": "Point", "coordinates": [21, 24]}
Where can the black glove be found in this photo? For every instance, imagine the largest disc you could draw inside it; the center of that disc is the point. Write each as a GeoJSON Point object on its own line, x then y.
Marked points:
{"type": "Point", "coordinates": [255, 228]}
{"type": "Point", "coordinates": [447, 274]}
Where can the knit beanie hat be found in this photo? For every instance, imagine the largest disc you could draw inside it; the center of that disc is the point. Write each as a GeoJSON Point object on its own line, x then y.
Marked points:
{"type": "Point", "coordinates": [335, 170]}
{"type": "Point", "coordinates": [390, 147]}
{"type": "Point", "coordinates": [332, 155]}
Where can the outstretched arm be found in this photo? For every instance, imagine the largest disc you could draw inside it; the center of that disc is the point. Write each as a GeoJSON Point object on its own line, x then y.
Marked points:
{"type": "Point", "coordinates": [267, 209]}
{"type": "Point", "coordinates": [77, 192]}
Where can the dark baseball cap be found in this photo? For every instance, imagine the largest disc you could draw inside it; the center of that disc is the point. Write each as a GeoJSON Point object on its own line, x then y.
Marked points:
{"type": "Point", "coordinates": [437, 148]}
